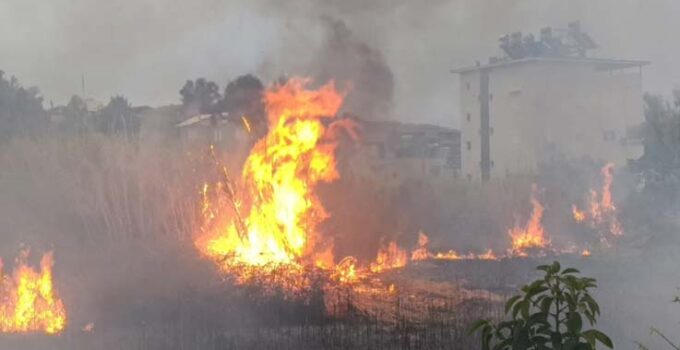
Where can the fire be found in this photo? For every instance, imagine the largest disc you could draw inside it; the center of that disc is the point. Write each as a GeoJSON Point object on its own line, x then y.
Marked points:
{"type": "Point", "coordinates": [347, 272]}
{"type": "Point", "coordinates": [453, 255]}
{"type": "Point", "coordinates": [601, 213]}
{"type": "Point", "coordinates": [29, 302]}
{"type": "Point", "coordinates": [389, 257]}
{"type": "Point", "coordinates": [269, 222]}
{"type": "Point", "coordinates": [421, 252]}
{"type": "Point", "coordinates": [246, 124]}
{"type": "Point", "coordinates": [532, 236]}
{"type": "Point", "coordinates": [578, 214]}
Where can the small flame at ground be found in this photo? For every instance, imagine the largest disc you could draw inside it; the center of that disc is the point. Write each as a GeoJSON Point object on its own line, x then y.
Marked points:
{"type": "Point", "coordinates": [421, 252]}
{"type": "Point", "coordinates": [29, 302]}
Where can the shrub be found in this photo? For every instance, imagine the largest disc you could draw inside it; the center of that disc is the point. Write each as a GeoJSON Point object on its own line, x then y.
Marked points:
{"type": "Point", "coordinates": [548, 314]}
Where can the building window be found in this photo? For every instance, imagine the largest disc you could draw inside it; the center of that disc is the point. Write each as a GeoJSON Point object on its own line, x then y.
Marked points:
{"type": "Point", "coordinates": [469, 117]}
{"type": "Point", "coordinates": [469, 145]}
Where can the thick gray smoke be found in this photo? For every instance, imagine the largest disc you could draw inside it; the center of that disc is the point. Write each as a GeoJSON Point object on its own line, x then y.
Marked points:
{"type": "Point", "coordinates": [353, 63]}
{"type": "Point", "coordinates": [146, 49]}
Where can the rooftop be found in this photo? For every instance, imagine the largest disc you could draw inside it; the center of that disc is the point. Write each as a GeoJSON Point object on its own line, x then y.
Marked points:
{"type": "Point", "coordinates": [603, 64]}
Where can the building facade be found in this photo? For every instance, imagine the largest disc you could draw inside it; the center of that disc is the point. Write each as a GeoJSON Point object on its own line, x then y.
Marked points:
{"type": "Point", "coordinates": [518, 112]}
{"type": "Point", "coordinates": [393, 153]}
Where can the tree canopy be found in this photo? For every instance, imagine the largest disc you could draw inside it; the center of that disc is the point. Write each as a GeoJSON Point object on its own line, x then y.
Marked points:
{"type": "Point", "coordinates": [21, 109]}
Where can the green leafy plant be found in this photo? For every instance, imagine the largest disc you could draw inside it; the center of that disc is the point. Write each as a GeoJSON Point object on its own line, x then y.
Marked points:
{"type": "Point", "coordinates": [548, 314]}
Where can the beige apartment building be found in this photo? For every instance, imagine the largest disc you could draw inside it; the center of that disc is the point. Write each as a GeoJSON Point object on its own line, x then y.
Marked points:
{"type": "Point", "coordinates": [547, 99]}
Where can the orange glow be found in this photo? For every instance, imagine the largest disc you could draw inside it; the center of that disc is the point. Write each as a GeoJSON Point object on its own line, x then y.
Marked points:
{"type": "Point", "coordinates": [28, 301]}
{"type": "Point", "coordinates": [601, 212]}
{"type": "Point", "coordinates": [263, 228]}
{"type": "Point", "coordinates": [422, 253]}
{"type": "Point", "coordinates": [346, 272]}
{"type": "Point", "coordinates": [453, 255]}
{"type": "Point", "coordinates": [246, 123]}
{"type": "Point", "coordinates": [281, 211]}
{"type": "Point", "coordinates": [607, 175]}
{"type": "Point", "coordinates": [578, 215]}
{"type": "Point", "coordinates": [389, 257]}
{"type": "Point", "coordinates": [531, 236]}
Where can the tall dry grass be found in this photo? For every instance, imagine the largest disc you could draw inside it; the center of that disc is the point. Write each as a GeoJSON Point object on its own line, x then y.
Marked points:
{"type": "Point", "coordinates": [100, 187]}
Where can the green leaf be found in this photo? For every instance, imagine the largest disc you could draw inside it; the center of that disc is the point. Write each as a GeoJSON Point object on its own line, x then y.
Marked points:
{"type": "Point", "coordinates": [574, 322]}
{"type": "Point", "coordinates": [555, 267]}
{"type": "Point", "coordinates": [543, 268]}
{"type": "Point", "coordinates": [510, 302]}
{"type": "Point", "coordinates": [594, 334]}
{"type": "Point", "coordinates": [486, 341]}
{"type": "Point", "coordinates": [516, 308]}
{"type": "Point", "coordinates": [570, 270]}
{"type": "Point", "coordinates": [556, 339]}
{"type": "Point", "coordinates": [503, 345]}
{"type": "Point", "coordinates": [525, 309]}
{"type": "Point", "coordinates": [583, 346]}
{"type": "Point", "coordinates": [536, 290]}
{"type": "Point", "coordinates": [545, 304]}
{"type": "Point", "coordinates": [477, 325]}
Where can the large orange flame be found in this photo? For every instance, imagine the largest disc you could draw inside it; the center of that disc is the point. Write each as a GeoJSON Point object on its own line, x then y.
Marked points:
{"type": "Point", "coordinates": [28, 301]}
{"type": "Point", "coordinates": [277, 190]}
{"type": "Point", "coordinates": [531, 236]}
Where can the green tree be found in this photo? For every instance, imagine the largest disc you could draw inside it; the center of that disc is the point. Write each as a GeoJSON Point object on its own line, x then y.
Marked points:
{"type": "Point", "coordinates": [21, 109]}
{"type": "Point", "coordinates": [243, 99]}
{"type": "Point", "coordinates": [661, 134]}
{"type": "Point", "coordinates": [548, 314]}
{"type": "Point", "coordinates": [76, 115]}
{"type": "Point", "coordinates": [118, 118]}
{"type": "Point", "coordinates": [200, 96]}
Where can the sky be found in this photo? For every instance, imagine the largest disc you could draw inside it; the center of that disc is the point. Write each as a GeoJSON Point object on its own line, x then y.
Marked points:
{"type": "Point", "coordinates": [146, 49]}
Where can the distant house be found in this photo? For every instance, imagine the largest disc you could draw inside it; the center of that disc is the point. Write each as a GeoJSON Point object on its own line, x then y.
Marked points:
{"type": "Point", "coordinates": [212, 129]}
{"type": "Point", "coordinates": [395, 152]}
{"type": "Point", "coordinates": [547, 98]}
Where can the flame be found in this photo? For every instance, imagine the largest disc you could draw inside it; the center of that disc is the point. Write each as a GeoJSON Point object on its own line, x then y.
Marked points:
{"type": "Point", "coordinates": [607, 175]}
{"type": "Point", "coordinates": [269, 222]}
{"type": "Point", "coordinates": [346, 272]}
{"type": "Point", "coordinates": [601, 212]}
{"type": "Point", "coordinates": [28, 301]}
{"type": "Point", "coordinates": [246, 123]}
{"type": "Point", "coordinates": [578, 214]}
{"type": "Point", "coordinates": [531, 236]}
{"type": "Point", "coordinates": [389, 257]}
{"type": "Point", "coordinates": [421, 252]}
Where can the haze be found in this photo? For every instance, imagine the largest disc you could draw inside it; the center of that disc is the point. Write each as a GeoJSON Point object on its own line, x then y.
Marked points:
{"type": "Point", "coordinates": [146, 49]}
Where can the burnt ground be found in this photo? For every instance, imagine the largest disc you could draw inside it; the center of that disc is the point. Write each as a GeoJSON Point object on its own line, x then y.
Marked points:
{"type": "Point", "coordinates": [635, 292]}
